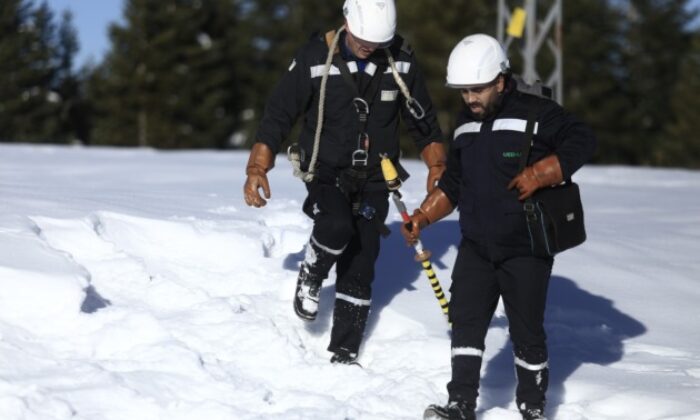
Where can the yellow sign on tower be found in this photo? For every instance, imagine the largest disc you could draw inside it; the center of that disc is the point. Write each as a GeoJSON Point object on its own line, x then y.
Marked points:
{"type": "Point", "coordinates": [516, 26]}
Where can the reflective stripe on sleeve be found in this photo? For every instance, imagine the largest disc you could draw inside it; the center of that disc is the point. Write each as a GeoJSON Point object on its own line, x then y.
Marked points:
{"type": "Point", "coordinates": [471, 127]}
{"type": "Point", "coordinates": [512, 124]}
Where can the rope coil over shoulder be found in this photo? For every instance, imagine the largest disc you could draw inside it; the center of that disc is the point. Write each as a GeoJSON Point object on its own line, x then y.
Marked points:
{"type": "Point", "coordinates": [294, 153]}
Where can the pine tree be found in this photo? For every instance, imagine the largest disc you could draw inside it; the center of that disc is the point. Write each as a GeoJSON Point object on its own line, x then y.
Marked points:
{"type": "Point", "coordinates": [28, 105]}
{"type": "Point", "coordinates": [681, 145]}
{"type": "Point", "coordinates": [14, 18]}
{"type": "Point", "coordinates": [656, 40]}
{"type": "Point", "coordinates": [594, 75]}
{"type": "Point", "coordinates": [32, 63]}
{"type": "Point", "coordinates": [40, 117]}
{"type": "Point", "coordinates": [123, 88]}
{"type": "Point", "coordinates": [433, 32]}
{"type": "Point", "coordinates": [72, 118]}
{"type": "Point", "coordinates": [168, 81]}
{"type": "Point", "coordinates": [269, 33]}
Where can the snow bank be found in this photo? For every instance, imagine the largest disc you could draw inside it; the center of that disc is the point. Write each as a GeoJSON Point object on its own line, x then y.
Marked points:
{"type": "Point", "coordinates": [135, 284]}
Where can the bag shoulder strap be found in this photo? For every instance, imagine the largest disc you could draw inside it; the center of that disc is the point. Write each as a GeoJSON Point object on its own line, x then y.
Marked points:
{"type": "Point", "coordinates": [528, 206]}
{"type": "Point", "coordinates": [529, 133]}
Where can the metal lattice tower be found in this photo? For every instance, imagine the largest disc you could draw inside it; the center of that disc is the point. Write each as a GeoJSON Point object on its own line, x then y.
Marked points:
{"type": "Point", "coordinates": [537, 33]}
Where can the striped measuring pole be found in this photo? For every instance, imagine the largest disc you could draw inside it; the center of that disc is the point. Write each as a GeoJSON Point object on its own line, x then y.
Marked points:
{"type": "Point", "coordinates": [422, 255]}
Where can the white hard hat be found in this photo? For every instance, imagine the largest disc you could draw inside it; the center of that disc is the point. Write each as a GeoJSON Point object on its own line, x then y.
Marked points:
{"type": "Point", "coordinates": [476, 60]}
{"type": "Point", "coordinates": [371, 20]}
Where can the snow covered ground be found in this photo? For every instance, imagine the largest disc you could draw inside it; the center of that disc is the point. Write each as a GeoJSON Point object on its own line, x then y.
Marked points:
{"type": "Point", "coordinates": [135, 284]}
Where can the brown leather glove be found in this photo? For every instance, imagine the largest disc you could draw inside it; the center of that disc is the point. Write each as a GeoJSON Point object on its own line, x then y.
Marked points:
{"type": "Point", "coordinates": [543, 173]}
{"type": "Point", "coordinates": [435, 206]}
{"type": "Point", "coordinates": [260, 161]}
{"type": "Point", "coordinates": [434, 157]}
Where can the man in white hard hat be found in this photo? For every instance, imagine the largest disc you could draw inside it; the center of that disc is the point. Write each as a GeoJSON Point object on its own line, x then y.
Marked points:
{"type": "Point", "coordinates": [496, 257]}
{"type": "Point", "coordinates": [353, 86]}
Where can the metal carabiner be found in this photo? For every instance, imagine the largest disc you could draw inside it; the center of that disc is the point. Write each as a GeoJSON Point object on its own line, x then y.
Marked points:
{"type": "Point", "coordinates": [415, 108]}
{"type": "Point", "coordinates": [361, 106]}
{"type": "Point", "coordinates": [295, 153]}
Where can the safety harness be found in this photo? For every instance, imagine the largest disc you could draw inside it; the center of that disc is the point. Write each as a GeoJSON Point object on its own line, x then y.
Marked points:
{"type": "Point", "coordinates": [362, 107]}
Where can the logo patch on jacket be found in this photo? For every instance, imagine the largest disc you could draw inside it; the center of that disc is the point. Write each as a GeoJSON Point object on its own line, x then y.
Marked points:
{"type": "Point", "coordinates": [389, 95]}
{"type": "Point", "coordinates": [511, 155]}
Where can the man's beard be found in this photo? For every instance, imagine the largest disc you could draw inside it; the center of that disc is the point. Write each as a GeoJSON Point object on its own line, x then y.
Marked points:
{"type": "Point", "coordinates": [485, 111]}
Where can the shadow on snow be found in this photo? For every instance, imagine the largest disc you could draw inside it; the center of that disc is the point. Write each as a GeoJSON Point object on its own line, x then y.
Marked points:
{"type": "Point", "coordinates": [395, 271]}
{"type": "Point", "coordinates": [581, 327]}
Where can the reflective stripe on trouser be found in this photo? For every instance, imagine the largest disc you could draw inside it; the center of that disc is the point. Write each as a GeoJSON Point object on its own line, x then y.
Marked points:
{"type": "Point", "coordinates": [318, 260]}
{"type": "Point", "coordinates": [332, 231]}
{"type": "Point", "coordinates": [355, 273]}
{"type": "Point", "coordinates": [533, 378]}
{"type": "Point", "coordinates": [477, 284]}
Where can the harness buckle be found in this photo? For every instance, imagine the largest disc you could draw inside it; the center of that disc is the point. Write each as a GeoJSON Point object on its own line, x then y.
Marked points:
{"type": "Point", "coordinates": [359, 157]}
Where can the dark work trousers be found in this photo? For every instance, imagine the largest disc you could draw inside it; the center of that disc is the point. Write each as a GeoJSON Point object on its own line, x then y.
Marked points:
{"type": "Point", "coordinates": [477, 283]}
{"type": "Point", "coordinates": [354, 240]}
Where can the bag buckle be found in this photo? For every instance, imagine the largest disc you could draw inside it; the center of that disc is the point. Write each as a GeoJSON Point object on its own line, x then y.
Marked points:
{"type": "Point", "coordinates": [530, 214]}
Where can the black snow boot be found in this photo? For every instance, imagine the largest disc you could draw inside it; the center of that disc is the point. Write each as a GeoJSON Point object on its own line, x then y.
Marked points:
{"type": "Point", "coordinates": [344, 357]}
{"type": "Point", "coordinates": [314, 269]}
{"type": "Point", "coordinates": [454, 410]}
{"type": "Point", "coordinates": [307, 295]}
{"type": "Point", "coordinates": [532, 411]}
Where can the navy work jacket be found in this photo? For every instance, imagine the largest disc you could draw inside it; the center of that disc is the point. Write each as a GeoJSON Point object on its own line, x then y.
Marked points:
{"type": "Point", "coordinates": [484, 157]}
{"type": "Point", "coordinates": [297, 93]}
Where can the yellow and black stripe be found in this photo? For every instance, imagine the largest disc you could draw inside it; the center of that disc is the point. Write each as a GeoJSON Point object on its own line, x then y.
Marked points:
{"type": "Point", "coordinates": [437, 289]}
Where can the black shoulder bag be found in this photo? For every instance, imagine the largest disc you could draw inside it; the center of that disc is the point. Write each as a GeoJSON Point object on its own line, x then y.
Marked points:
{"type": "Point", "coordinates": [554, 215]}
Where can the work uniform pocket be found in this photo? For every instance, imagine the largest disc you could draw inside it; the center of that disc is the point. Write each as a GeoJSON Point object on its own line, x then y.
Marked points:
{"type": "Point", "coordinates": [389, 95]}
{"type": "Point", "coordinates": [324, 199]}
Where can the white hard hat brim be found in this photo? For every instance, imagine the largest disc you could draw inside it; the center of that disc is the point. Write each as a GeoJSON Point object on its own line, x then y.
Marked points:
{"type": "Point", "coordinates": [383, 44]}
{"type": "Point", "coordinates": [473, 85]}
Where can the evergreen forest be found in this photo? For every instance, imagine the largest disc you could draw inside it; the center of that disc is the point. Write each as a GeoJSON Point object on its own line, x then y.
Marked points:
{"type": "Point", "coordinates": [196, 73]}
